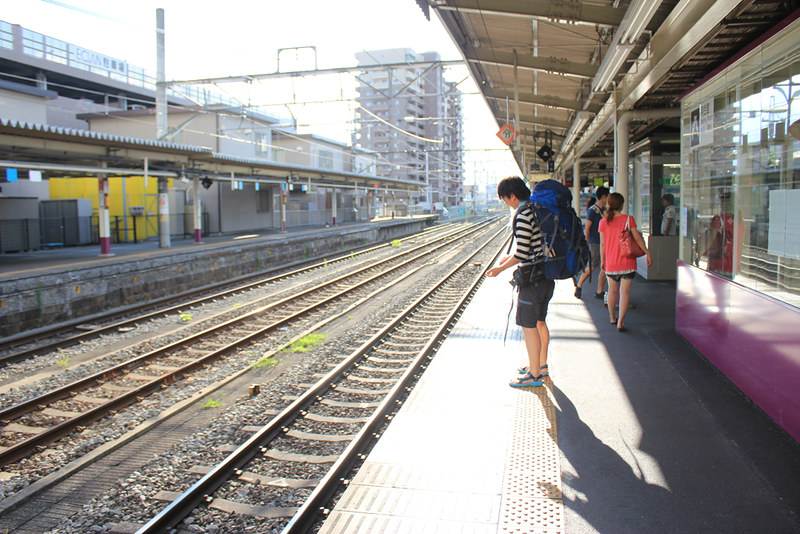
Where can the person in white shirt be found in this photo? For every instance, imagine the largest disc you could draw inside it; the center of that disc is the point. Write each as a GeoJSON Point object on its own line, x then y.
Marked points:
{"type": "Point", "coordinates": [669, 221]}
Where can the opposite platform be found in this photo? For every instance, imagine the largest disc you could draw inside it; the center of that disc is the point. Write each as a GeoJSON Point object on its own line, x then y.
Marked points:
{"type": "Point", "coordinates": [45, 287]}
{"type": "Point", "coordinates": [635, 432]}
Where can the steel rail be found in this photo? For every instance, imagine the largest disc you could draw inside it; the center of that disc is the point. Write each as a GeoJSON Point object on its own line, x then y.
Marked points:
{"type": "Point", "coordinates": [210, 482]}
{"type": "Point", "coordinates": [313, 507]}
{"type": "Point", "coordinates": [343, 312]}
{"type": "Point", "coordinates": [29, 445]}
{"type": "Point", "coordinates": [97, 378]}
{"type": "Point", "coordinates": [9, 343]}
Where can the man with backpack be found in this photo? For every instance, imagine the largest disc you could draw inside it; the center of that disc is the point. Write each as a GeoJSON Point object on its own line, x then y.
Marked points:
{"type": "Point", "coordinates": [535, 290]}
{"type": "Point", "coordinates": [593, 218]}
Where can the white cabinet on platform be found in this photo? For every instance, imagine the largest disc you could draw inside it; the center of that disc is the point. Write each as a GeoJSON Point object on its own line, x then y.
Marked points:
{"type": "Point", "coordinates": [664, 251]}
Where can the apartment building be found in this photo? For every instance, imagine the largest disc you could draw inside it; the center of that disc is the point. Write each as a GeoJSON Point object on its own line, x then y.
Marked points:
{"type": "Point", "coordinates": [412, 118]}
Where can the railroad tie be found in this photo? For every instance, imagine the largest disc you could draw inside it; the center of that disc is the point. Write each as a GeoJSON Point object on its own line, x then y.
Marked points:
{"type": "Point", "coordinates": [167, 496]}
{"type": "Point", "coordinates": [380, 370]}
{"type": "Point", "coordinates": [268, 512]}
{"type": "Point", "coordinates": [354, 391]}
{"type": "Point", "coordinates": [89, 400]}
{"type": "Point", "coordinates": [283, 456]}
{"type": "Point", "coordinates": [186, 359]}
{"type": "Point", "coordinates": [23, 429]}
{"type": "Point", "coordinates": [255, 478]}
{"type": "Point", "coordinates": [415, 320]}
{"type": "Point", "coordinates": [375, 359]}
{"type": "Point", "coordinates": [60, 413]}
{"type": "Point", "coordinates": [125, 527]}
{"type": "Point", "coordinates": [143, 378]}
{"type": "Point", "coordinates": [403, 345]}
{"type": "Point", "coordinates": [193, 354]}
{"type": "Point", "coordinates": [371, 380]}
{"type": "Point", "coordinates": [333, 419]}
{"type": "Point", "coordinates": [251, 428]}
{"type": "Point", "coordinates": [346, 404]}
{"type": "Point", "coordinates": [163, 368]}
{"type": "Point", "coordinates": [320, 437]}
{"type": "Point", "coordinates": [115, 387]}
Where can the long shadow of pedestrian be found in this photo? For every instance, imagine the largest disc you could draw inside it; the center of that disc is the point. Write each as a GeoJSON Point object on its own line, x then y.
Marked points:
{"type": "Point", "coordinates": [603, 492]}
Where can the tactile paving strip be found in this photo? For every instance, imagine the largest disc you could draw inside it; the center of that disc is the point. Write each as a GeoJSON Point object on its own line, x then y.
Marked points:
{"type": "Point", "coordinates": [532, 499]}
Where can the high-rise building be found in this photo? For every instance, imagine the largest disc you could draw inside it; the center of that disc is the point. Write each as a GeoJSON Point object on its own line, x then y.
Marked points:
{"type": "Point", "coordinates": [411, 117]}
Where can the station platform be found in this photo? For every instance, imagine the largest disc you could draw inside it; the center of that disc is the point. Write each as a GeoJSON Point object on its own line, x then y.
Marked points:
{"type": "Point", "coordinates": [632, 432]}
{"type": "Point", "coordinates": [58, 285]}
{"type": "Point", "coordinates": [48, 260]}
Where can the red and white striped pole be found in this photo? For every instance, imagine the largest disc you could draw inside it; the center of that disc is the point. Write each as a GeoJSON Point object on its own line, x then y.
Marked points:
{"type": "Point", "coordinates": [334, 206]}
{"type": "Point", "coordinates": [198, 212]}
{"type": "Point", "coordinates": [283, 208]}
{"type": "Point", "coordinates": [103, 219]}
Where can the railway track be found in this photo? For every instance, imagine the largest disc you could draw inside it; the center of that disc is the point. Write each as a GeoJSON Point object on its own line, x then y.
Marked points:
{"type": "Point", "coordinates": [29, 426]}
{"type": "Point", "coordinates": [55, 337]}
{"type": "Point", "coordinates": [93, 474]}
{"type": "Point", "coordinates": [284, 475]}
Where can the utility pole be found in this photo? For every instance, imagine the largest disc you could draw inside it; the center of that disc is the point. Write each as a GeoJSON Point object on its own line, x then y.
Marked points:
{"type": "Point", "coordinates": [161, 130]}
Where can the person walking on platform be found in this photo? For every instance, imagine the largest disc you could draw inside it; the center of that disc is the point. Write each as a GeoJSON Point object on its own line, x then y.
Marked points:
{"type": "Point", "coordinates": [619, 269]}
{"type": "Point", "coordinates": [593, 216]}
{"type": "Point", "coordinates": [535, 291]}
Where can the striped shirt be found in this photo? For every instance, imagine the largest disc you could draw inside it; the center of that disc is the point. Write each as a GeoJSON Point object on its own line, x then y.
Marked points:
{"type": "Point", "coordinates": [528, 236]}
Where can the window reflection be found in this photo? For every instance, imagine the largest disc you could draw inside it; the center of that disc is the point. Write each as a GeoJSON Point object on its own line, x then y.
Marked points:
{"type": "Point", "coordinates": [741, 165]}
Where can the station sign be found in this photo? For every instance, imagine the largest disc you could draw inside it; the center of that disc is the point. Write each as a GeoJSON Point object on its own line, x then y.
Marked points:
{"type": "Point", "coordinates": [507, 134]}
{"type": "Point", "coordinates": [89, 58]}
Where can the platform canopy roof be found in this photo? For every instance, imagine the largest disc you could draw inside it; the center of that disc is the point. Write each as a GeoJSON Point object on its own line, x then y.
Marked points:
{"type": "Point", "coordinates": [73, 152]}
{"type": "Point", "coordinates": [560, 71]}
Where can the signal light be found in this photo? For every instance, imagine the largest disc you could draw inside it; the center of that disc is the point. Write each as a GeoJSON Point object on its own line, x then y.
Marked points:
{"type": "Point", "coordinates": [206, 182]}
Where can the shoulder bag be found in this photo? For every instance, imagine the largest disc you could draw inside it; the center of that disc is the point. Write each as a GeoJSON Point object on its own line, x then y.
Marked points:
{"type": "Point", "coordinates": [628, 246]}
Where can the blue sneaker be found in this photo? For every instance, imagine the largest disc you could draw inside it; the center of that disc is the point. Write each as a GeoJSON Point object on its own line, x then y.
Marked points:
{"type": "Point", "coordinates": [526, 380]}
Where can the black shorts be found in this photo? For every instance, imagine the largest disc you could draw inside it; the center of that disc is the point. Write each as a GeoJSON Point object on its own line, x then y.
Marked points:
{"type": "Point", "coordinates": [532, 302]}
{"type": "Point", "coordinates": [618, 277]}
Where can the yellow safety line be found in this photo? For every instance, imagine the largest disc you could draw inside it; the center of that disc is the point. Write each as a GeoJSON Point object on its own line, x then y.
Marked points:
{"type": "Point", "coordinates": [532, 498]}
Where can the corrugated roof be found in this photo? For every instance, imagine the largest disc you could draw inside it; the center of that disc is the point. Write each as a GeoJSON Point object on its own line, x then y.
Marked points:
{"type": "Point", "coordinates": [200, 157]}
{"type": "Point", "coordinates": [21, 128]}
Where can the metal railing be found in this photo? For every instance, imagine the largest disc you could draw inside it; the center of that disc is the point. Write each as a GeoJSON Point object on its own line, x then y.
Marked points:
{"type": "Point", "coordinates": [40, 46]}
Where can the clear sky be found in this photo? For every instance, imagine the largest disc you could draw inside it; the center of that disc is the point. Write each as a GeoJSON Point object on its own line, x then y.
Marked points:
{"type": "Point", "coordinates": [238, 37]}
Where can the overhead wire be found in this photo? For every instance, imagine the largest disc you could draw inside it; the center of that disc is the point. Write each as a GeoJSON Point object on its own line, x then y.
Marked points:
{"type": "Point", "coordinates": [244, 105]}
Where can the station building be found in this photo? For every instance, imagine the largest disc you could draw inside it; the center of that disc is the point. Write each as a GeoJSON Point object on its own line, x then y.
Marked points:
{"type": "Point", "coordinates": [222, 168]}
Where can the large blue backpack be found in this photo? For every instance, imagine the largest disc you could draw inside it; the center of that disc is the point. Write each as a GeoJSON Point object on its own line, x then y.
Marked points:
{"type": "Point", "coordinates": [566, 251]}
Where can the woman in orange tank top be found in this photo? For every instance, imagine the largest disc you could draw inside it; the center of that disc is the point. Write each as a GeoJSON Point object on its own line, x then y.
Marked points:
{"type": "Point", "coordinates": [620, 270]}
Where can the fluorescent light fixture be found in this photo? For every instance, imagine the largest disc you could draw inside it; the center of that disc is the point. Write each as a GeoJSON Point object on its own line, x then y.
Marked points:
{"type": "Point", "coordinates": [575, 128]}
{"type": "Point", "coordinates": [636, 19]}
{"type": "Point", "coordinates": [633, 24]}
{"type": "Point", "coordinates": [610, 65]}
